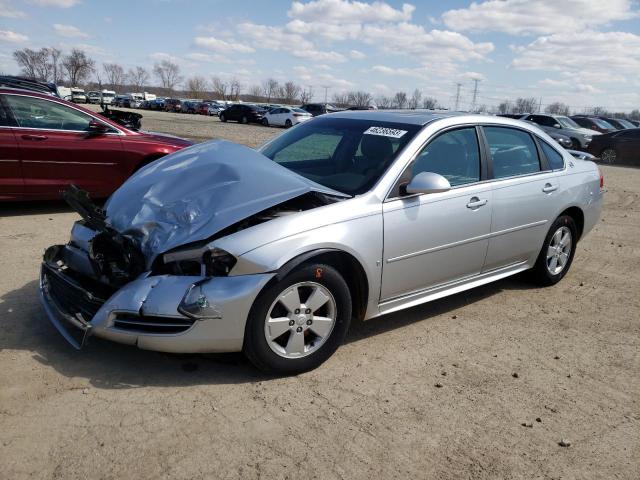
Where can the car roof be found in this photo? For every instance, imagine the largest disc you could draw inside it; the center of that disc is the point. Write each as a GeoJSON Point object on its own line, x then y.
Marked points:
{"type": "Point", "coordinates": [412, 117]}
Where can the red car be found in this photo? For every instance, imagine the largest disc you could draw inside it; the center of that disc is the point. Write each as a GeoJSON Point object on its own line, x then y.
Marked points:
{"type": "Point", "coordinates": [47, 143]}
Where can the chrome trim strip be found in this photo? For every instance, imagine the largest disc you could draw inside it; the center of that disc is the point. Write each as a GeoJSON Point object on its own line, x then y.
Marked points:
{"type": "Point", "coordinates": [468, 240]}
{"type": "Point", "coordinates": [70, 163]}
{"type": "Point", "coordinates": [6, 160]}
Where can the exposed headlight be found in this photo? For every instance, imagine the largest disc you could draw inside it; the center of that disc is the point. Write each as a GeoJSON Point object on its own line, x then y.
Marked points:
{"type": "Point", "coordinates": [218, 263]}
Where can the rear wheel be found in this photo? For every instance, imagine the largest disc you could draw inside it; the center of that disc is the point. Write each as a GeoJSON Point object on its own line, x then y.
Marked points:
{"type": "Point", "coordinates": [575, 144]}
{"type": "Point", "coordinates": [557, 252]}
{"type": "Point", "coordinates": [297, 323]}
{"type": "Point", "coordinates": [609, 155]}
{"type": "Point", "coordinates": [288, 123]}
{"type": "Point", "coordinates": [244, 119]}
{"type": "Point", "coordinates": [223, 118]}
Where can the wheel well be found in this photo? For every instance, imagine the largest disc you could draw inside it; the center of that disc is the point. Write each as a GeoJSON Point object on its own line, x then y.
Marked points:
{"type": "Point", "coordinates": [346, 264]}
{"type": "Point", "coordinates": [578, 218]}
{"type": "Point", "coordinates": [147, 160]}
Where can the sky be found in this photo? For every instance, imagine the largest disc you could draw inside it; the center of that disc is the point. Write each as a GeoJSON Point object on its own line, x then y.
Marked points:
{"type": "Point", "coordinates": [581, 52]}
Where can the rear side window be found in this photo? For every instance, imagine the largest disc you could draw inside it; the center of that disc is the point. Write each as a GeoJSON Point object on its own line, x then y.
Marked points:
{"type": "Point", "coordinates": [556, 162]}
{"type": "Point", "coordinates": [455, 155]}
{"type": "Point", "coordinates": [513, 152]}
{"type": "Point", "coordinates": [31, 112]}
{"type": "Point", "coordinates": [5, 118]}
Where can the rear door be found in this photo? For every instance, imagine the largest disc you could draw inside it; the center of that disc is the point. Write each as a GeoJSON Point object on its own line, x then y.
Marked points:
{"type": "Point", "coordinates": [57, 149]}
{"type": "Point", "coordinates": [11, 182]}
{"type": "Point", "coordinates": [525, 189]}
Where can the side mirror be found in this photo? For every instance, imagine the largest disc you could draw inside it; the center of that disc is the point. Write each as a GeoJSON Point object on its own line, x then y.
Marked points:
{"type": "Point", "coordinates": [427, 182]}
{"type": "Point", "coordinates": [556, 125]}
{"type": "Point", "coordinates": [97, 128]}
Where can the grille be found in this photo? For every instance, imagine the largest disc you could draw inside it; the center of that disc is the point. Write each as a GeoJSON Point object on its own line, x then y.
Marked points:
{"type": "Point", "coordinates": [150, 324]}
{"type": "Point", "coordinates": [70, 296]}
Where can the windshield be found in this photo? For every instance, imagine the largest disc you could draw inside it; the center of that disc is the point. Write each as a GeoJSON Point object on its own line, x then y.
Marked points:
{"type": "Point", "coordinates": [108, 95]}
{"type": "Point", "coordinates": [625, 123]}
{"type": "Point", "coordinates": [603, 123]}
{"type": "Point", "coordinates": [567, 122]}
{"type": "Point", "coordinates": [347, 155]}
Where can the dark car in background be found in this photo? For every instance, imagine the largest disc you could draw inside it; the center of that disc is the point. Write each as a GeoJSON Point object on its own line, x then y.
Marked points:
{"type": "Point", "coordinates": [47, 143]}
{"type": "Point", "coordinates": [190, 106]}
{"type": "Point", "coordinates": [172, 105]}
{"type": "Point", "coordinates": [316, 109]}
{"type": "Point", "coordinates": [243, 113]}
{"type": "Point", "coordinates": [618, 123]}
{"type": "Point", "coordinates": [593, 123]}
{"type": "Point", "coordinates": [561, 139]}
{"type": "Point", "coordinates": [622, 146]}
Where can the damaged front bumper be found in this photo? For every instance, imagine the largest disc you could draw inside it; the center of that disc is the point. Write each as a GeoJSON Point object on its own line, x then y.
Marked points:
{"type": "Point", "coordinates": [169, 313]}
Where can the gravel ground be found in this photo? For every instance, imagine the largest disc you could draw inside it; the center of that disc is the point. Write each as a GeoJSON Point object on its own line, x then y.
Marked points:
{"type": "Point", "coordinates": [439, 391]}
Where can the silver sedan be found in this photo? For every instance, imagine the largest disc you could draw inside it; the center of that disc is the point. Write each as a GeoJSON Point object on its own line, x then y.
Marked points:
{"type": "Point", "coordinates": [220, 248]}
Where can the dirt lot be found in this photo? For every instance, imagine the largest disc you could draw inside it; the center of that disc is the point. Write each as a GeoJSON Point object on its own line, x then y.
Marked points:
{"type": "Point", "coordinates": [374, 410]}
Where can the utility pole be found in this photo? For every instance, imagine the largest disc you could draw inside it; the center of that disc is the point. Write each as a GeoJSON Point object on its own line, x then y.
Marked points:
{"type": "Point", "coordinates": [458, 85]}
{"type": "Point", "coordinates": [326, 90]}
{"type": "Point", "coordinates": [475, 93]}
{"type": "Point", "coordinates": [540, 105]}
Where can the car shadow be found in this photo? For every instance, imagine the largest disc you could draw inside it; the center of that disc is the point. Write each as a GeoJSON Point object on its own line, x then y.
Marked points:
{"type": "Point", "coordinates": [107, 365]}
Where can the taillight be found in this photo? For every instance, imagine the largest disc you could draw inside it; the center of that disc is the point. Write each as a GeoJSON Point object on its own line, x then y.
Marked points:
{"type": "Point", "coordinates": [297, 114]}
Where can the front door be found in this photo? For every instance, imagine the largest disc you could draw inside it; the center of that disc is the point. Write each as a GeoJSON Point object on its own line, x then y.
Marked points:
{"type": "Point", "coordinates": [57, 149]}
{"type": "Point", "coordinates": [433, 239]}
{"type": "Point", "coordinates": [11, 182]}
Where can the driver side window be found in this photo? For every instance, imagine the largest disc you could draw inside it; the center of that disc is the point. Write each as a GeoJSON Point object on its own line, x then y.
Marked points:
{"type": "Point", "coordinates": [455, 155]}
{"type": "Point", "coordinates": [31, 112]}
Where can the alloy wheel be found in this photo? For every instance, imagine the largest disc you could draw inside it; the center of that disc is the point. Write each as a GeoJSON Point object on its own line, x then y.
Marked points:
{"type": "Point", "coordinates": [559, 250]}
{"type": "Point", "coordinates": [300, 320]}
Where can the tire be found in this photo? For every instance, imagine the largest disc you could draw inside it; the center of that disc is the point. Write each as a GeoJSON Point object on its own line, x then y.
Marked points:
{"type": "Point", "coordinates": [301, 346]}
{"type": "Point", "coordinates": [546, 271]}
{"type": "Point", "coordinates": [575, 144]}
{"type": "Point", "coordinates": [244, 120]}
{"type": "Point", "coordinates": [288, 124]}
{"type": "Point", "coordinates": [223, 118]}
{"type": "Point", "coordinates": [609, 155]}
{"type": "Point", "coordinates": [265, 122]}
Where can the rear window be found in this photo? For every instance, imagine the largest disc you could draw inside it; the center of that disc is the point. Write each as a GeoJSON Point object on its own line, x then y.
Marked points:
{"type": "Point", "coordinates": [513, 152]}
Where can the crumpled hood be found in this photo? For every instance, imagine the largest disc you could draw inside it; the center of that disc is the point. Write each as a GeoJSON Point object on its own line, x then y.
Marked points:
{"type": "Point", "coordinates": [194, 193]}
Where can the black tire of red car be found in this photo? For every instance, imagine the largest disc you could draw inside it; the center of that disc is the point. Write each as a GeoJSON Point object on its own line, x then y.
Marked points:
{"type": "Point", "coordinates": [223, 118]}
{"type": "Point", "coordinates": [255, 344]}
{"type": "Point", "coordinates": [244, 119]}
{"type": "Point", "coordinates": [288, 123]}
{"type": "Point", "coordinates": [540, 274]}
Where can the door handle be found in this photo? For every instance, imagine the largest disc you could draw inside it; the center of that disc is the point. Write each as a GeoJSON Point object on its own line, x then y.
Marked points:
{"type": "Point", "coordinates": [36, 138]}
{"type": "Point", "coordinates": [475, 202]}
{"type": "Point", "coordinates": [548, 188]}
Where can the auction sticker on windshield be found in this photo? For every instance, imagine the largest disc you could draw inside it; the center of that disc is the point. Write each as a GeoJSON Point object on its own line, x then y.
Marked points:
{"type": "Point", "coordinates": [385, 132]}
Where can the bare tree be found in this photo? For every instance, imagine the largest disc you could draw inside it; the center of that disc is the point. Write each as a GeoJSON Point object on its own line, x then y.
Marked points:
{"type": "Point", "coordinates": [33, 63]}
{"type": "Point", "coordinates": [55, 67]}
{"type": "Point", "coordinates": [114, 75]}
{"type": "Point", "coordinates": [168, 73]}
{"type": "Point", "coordinates": [558, 108]}
{"type": "Point", "coordinates": [384, 102]}
{"type": "Point", "coordinates": [526, 105]}
{"type": "Point", "coordinates": [197, 87]}
{"type": "Point", "coordinates": [270, 87]}
{"type": "Point", "coordinates": [290, 92]}
{"type": "Point", "coordinates": [219, 88]}
{"type": "Point", "coordinates": [255, 93]}
{"type": "Point", "coordinates": [306, 95]}
{"type": "Point", "coordinates": [414, 101]}
{"type": "Point", "coordinates": [234, 89]}
{"type": "Point", "coordinates": [341, 99]}
{"type": "Point", "coordinates": [505, 107]}
{"type": "Point", "coordinates": [139, 77]}
{"type": "Point", "coordinates": [635, 114]}
{"type": "Point", "coordinates": [400, 100]}
{"type": "Point", "coordinates": [599, 111]}
{"type": "Point", "coordinates": [359, 99]}
{"type": "Point", "coordinates": [78, 66]}
{"type": "Point", "coordinates": [430, 103]}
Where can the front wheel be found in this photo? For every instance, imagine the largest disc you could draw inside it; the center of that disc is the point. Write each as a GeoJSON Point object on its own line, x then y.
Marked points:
{"type": "Point", "coordinates": [557, 252]}
{"type": "Point", "coordinates": [297, 323]}
{"type": "Point", "coordinates": [244, 120]}
{"type": "Point", "coordinates": [288, 123]}
{"type": "Point", "coordinates": [223, 118]}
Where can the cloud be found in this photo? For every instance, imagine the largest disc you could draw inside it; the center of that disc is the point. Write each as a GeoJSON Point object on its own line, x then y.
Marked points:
{"type": "Point", "coordinates": [346, 11]}
{"type": "Point", "coordinates": [7, 11]}
{"type": "Point", "coordinates": [357, 55]}
{"type": "Point", "coordinates": [69, 31]}
{"type": "Point", "coordinates": [12, 37]}
{"type": "Point", "coordinates": [518, 17]}
{"type": "Point", "coordinates": [217, 45]}
{"type": "Point", "coordinates": [55, 3]}
{"type": "Point", "coordinates": [336, 32]}
{"type": "Point", "coordinates": [217, 58]}
{"type": "Point", "coordinates": [160, 56]}
{"type": "Point", "coordinates": [582, 56]}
